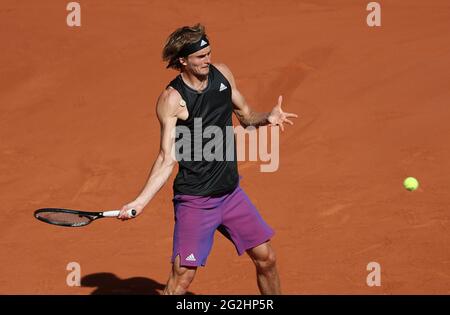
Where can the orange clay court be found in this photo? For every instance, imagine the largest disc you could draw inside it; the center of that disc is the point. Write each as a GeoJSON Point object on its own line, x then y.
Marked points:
{"type": "Point", "coordinates": [79, 130]}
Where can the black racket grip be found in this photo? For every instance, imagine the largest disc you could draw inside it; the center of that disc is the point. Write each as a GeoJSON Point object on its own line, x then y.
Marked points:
{"type": "Point", "coordinates": [133, 212]}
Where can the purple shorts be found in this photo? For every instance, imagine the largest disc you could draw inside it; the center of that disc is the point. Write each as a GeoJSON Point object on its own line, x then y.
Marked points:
{"type": "Point", "coordinates": [198, 217]}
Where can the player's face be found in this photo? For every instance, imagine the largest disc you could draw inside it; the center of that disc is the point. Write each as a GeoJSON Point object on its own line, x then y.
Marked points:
{"type": "Point", "coordinates": [198, 62]}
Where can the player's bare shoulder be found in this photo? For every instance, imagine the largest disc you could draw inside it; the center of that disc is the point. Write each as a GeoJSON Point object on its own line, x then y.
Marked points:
{"type": "Point", "coordinates": [170, 103]}
{"type": "Point", "coordinates": [223, 68]}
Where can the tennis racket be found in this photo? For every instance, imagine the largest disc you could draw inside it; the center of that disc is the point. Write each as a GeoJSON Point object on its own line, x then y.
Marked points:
{"type": "Point", "coordinates": [74, 218]}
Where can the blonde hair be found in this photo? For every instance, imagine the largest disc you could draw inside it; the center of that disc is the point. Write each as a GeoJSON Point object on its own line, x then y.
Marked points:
{"type": "Point", "coordinates": [177, 40]}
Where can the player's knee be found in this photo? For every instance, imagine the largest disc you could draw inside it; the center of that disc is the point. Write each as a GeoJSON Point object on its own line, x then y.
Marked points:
{"type": "Point", "coordinates": [184, 283]}
{"type": "Point", "coordinates": [266, 262]}
{"type": "Point", "coordinates": [184, 276]}
{"type": "Point", "coordinates": [179, 280]}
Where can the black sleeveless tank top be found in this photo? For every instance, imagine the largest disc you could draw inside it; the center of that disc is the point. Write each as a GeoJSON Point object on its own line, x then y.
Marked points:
{"type": "Point", "coordinates": [205, 147]}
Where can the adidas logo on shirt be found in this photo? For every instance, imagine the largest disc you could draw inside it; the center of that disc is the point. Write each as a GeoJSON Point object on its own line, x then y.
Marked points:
{"type": "Point", "coordinates": [222, 87]}
{"type": "Point", "coordinates": [191, 257]}
{"type": "Point", "coordinates": [203, 43]}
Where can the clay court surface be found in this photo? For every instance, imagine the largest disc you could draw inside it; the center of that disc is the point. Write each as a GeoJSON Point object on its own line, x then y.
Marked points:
{"type": "Point", "coordinates": [78, 130]}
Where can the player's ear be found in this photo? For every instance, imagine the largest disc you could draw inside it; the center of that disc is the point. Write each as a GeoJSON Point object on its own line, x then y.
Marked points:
{"type": "Point", "coordinates": [183, 61]}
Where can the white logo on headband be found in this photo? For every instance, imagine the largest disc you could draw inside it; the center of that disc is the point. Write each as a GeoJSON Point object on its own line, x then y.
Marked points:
{"type": "Point", "coordinates": [203, 43]}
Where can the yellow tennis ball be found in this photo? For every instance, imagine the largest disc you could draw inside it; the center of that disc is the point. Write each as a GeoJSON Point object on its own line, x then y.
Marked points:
{"type": "Point", "coordinates": [411, 183]}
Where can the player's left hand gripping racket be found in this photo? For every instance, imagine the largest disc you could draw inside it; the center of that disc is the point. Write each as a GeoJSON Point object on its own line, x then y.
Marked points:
{"type": "Point", "coordinates": [74, 218]}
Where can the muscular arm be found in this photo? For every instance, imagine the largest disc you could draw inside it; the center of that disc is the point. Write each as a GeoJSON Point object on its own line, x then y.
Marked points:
{"type": "Point", "coordinates": [164, 163]}
{"type": "Point", "coordinates": [243, 111]}
{"type": "Point", "coordinates": [162, 167]}
{"type": "Point", "coordinates": [248, 117]}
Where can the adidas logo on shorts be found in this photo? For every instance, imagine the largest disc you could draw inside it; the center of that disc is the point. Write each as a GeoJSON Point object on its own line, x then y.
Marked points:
{"type": "Point", "coordinates": [191, 257]}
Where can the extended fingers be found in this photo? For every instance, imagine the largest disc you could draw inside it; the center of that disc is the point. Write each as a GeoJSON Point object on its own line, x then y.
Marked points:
{"type": "Point", "coordinates": [280, 100]}
{"type": "Point", "coordinates": [288, 121]}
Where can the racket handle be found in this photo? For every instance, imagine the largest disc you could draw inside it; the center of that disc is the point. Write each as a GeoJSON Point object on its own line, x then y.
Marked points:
{"type": "Point", "coordinates": [115, 213]}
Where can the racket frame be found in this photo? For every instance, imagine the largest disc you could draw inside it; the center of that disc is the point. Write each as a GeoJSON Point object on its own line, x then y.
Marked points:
{"type": "Point", "coordinates": [89, 214]}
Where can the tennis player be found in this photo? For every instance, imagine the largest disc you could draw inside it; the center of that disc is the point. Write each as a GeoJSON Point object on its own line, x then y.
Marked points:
{"type": "Point", "coordinates": [207, 194]}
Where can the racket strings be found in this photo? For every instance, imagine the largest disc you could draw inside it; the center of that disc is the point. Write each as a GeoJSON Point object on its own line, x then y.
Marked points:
{"type": "Point", "coordinates": [63, 218]}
